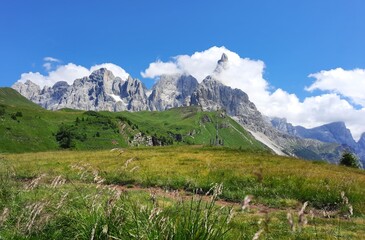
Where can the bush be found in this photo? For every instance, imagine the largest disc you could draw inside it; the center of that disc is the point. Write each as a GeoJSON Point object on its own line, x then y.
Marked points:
{"type": "Point", "coordinates": [64, 137]}
{"type": "Point", "coordinates": [350, 160]}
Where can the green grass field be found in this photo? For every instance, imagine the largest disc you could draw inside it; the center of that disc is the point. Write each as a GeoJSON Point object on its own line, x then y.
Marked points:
{"type": "Point", "coordinates": [278, 186]}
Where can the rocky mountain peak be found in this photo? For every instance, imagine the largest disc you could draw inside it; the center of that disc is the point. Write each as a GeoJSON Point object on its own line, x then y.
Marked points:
{"type": "Point", "coordinates": [101, 74]}
{"type": "Point", "coordinates": [172, 91]}
{"type": "Point", "coordinates": [362, 140]}
{"type": "Point", "coordinates": [222, 64]}
{"type": "Point", "coordinates": [129, 79]}
{"type": "Point", "coordinates": [282, 125]}
{"type": "Point", "coordinates": [27, 89]}
{"type": "Point", "coordinates": [223, 59]}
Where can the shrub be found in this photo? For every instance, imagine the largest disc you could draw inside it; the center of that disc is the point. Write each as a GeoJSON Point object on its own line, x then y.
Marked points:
{"type": "Point", "coordinates": [64, 137]}
{"type": "Point", "coordinates": [350, 160]}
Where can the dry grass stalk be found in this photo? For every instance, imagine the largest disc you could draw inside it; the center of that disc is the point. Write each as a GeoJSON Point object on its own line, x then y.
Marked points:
{"type": "Point", "coordinates": [134, 169]}
{"type": "Point", "coordinates": [289, 216]}
{"type": "Point", "coordinates": [4, 216]}
{"type": "Point", "coordinates": [97, 178]}
{"type": "Point", "coordinates": [231, 215]}
{"type": "Point", "coordinates": [216, 190]}
{"type": "Point", "coordinates": [58, 181]}
{"type": "Point", "coordinates": [154, 213]}
{"type": "Point", "coordinates": [34, 220]}
{"type": "Point", "coordinates": [93, 231]}
{"type": "Point", "coordinates": [35, 182]}
{"type": "Point", "coordinates": [345, 202]}
{"type": "Point", "coordinates": [246, 202]}
{"type": "Point", "coordinates": [258, 234]}
{"type": "Point", "coordinates": [61, 202]}
{"type": "Point", "coordinates": [302, 221]}
{"type": "Point", "coordinates": [128, 162]}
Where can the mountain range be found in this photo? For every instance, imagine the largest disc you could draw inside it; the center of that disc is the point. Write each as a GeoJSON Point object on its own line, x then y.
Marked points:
{"type": "Point", "coordinates": [102, 91]}
{"type": "Point", "coordinates": [335, 132]}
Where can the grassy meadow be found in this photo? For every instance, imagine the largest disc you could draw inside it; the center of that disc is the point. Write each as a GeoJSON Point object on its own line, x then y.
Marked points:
{"type": "Point", "coordinates": [177, 192]}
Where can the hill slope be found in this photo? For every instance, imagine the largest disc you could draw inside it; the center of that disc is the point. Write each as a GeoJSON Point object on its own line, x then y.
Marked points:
{"type": "Point", "coordinates": [26, 127]}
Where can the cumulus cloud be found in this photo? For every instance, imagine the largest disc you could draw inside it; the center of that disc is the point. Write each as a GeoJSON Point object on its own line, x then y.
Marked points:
{"type": "Point", "coordinates": [242, 73]}
{"type": "Point", "coordinates": [159, 68]}
{"type": "Point", "coordinates": [348, 83]}
{"type": "Point", "coordinates": [68, 73]}
{"type": "Point", "coordinates": [330, 105]}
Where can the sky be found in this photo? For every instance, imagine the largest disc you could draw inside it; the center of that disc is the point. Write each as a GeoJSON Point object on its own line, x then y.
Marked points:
{"type": "Point", "coordinates": [302, 60]}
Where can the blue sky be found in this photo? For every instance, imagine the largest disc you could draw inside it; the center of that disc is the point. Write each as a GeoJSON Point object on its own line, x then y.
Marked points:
{"type": "Point", "coordinates": [292, 38]}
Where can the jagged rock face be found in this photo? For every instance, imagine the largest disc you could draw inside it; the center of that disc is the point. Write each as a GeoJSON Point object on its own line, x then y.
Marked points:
{"type": "Point", "coordinates": [361, 141]}
{"type": "Point", "coordinates": [333, 132]}
{"type": "Point", "coordinates": [282, 125]}
{"type": "Point", "coordinates": [90, 93]}
{"type": "Point", "coordinates": [360, 150]}
{"type": "Point", "coordinates": [212, 95]}
{"type": "Point", "coordinates": [133, 92]}
{"type": "Point", "coordinates": [100, 91]}
{"type": "Point", "coordinates": [172, 91]}
{"type": "Point", "coordinates": [28, 89]}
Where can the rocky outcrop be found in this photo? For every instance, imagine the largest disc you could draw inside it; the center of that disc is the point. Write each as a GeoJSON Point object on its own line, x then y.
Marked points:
{"type": "Point", "coordinates": [172, 91]}
{"type": "Point", "coordinates": [28, 89]}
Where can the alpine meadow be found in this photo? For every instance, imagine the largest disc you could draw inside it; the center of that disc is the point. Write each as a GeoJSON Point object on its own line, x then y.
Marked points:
{"type": "Point", "coordinates": [182, 120]}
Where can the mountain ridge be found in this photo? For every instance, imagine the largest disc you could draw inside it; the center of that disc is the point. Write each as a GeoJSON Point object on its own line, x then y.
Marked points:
{"type": "Point", "coordinates": [335, 132]}
{"type": "Point", "coordinates": [103, 91]}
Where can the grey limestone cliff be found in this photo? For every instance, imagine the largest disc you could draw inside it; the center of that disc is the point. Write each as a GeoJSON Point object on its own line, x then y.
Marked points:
{"type": "Point", "coordinates": [172, 91]}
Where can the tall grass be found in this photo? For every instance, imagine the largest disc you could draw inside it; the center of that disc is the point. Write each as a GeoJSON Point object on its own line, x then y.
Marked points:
{"type": "Point", "coordinates": [71, 196]}
{"type": "Point", "coordinates": [57, 208]}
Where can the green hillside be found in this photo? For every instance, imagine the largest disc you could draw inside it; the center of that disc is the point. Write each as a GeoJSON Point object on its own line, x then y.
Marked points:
{"type": "Point", "coordinates": [24, 127]}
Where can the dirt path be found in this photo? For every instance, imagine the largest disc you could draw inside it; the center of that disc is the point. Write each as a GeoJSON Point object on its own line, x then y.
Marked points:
{"type": "Point", "coordinates": [185, 195]}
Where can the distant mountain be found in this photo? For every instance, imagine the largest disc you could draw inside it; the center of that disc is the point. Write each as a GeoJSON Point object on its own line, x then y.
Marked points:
{"type": "Point", "coordinates": [335, 132]}
{"type": "Point", "coordinates": [103, 91]}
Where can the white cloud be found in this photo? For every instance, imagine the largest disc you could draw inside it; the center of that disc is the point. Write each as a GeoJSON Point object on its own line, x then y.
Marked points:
{"type": "Point", "coordinates": [51, 59]}
{"type": "Point", "coordinates": [68, 73]}
{"type": "Point", "coordinates": [159, 68]}
{"type": "Point", "coordinates": [314, 111]}
{"type": "Point", "coordinates": [47, 66]}
{"type": "Point", "coordinates": [247, 75]}
{"type": "Point", "coordinates": [242, 73]}
{"type": "Point", "coordinates": [50, 63]}
{"type": "Point", "coordinates": [348, 83]}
